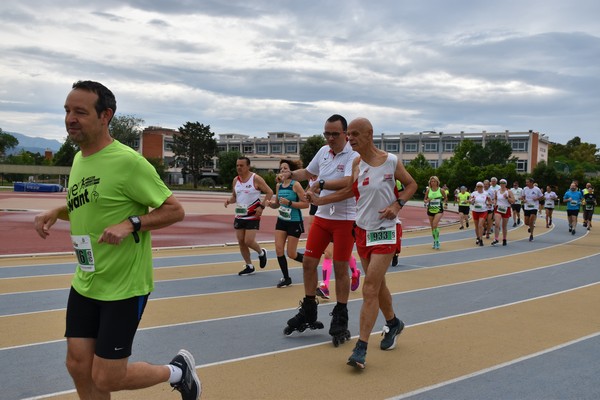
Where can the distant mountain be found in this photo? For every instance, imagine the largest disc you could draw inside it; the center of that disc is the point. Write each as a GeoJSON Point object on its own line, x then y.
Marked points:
{"type": "Point", "coordinates": [33, 144]}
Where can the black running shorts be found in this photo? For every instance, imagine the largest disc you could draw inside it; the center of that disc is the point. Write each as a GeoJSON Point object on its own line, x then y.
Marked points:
{"type": "Point", "coordinates": [112, 323]}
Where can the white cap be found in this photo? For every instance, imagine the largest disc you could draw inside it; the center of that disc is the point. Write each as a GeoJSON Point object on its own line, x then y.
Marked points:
{"type": "Point", "coordinates": [503, 181]}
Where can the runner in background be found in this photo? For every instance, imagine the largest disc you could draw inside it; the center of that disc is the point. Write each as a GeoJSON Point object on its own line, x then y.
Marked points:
{"type": "Point", "coordinates": [517, 192]}
{"type": "Point", "coordinates": [549, 203]}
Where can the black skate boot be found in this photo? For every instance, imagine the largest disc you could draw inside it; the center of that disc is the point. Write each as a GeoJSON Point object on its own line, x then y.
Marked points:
{"type": "Point", "coordinates": [339, 325]}
{"type": "Point", "coordinates": [306, 318]}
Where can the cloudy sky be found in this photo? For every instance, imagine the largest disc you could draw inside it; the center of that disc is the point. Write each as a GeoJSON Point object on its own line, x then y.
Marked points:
{"type": "Point", "coordinates": [257, 66]}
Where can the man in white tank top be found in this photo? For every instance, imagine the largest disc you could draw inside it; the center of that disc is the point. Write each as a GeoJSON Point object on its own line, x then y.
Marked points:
{"type": "Point", "coordinates": [377, 235]}
{"type": "Point", "coordinates": [246, 190]}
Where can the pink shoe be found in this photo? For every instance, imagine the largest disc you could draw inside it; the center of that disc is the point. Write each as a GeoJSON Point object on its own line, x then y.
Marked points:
{"type": "Point", "coordinates": [355, 280]}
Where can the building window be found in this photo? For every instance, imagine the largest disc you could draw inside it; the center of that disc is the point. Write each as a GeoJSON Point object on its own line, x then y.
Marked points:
{"type": "Point", "coordinates": [261, 149]}
{"type": "Point", "coordinates": [392, 147]}
{"type": "Point", "coordinates": [433, 163]}
{"type": "Point", "coordinates": [406, 162]}
{"type": "Point", "coordinates": [521, 165]}
{"type": "Point", "coordinates": [430, 147]}
{"type": "Point", "coordinates": [276, 148]}
{"type": "Point", "coordinates": [168, 145]}
{"type": "Point", "coordinates": [234, 148]}
{"type": "Point", "coordinates": [450, 146]}
{"type": "Point", "coordinates": [378, 145]}
{"type": "Point", "coordinates": [248, 148]}
{"type": "Point", "coordinates": [520, 146]}
{"type": "Point", "coordinates": [221, 148]}
{"type": "Point", "coordinates": [411, 147]}
{"type": "Point", "coordinates": [291, 148]}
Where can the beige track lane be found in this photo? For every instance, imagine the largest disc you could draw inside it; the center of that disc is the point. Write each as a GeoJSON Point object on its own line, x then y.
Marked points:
{"type": "Point", "coordinates": [49, 282]}
{"type": "Point", "coordinates": [45, 326]}
{"type": "Point", "coordinates": [426, 354]}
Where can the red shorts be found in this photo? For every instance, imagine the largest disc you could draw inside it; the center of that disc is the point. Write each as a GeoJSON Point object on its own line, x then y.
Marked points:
{"type": "Point", "coordinates": [479, 215]}
{"type": "Point", "coordinates": [324, 231]}
{"type": "Point", "coordinates": [365, 251]}
{"type": "Point", "coordinates": [507, 214]}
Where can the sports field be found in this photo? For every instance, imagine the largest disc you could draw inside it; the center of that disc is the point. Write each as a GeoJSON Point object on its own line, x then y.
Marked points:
{"type": "Point", "coordinates": [514, 322]}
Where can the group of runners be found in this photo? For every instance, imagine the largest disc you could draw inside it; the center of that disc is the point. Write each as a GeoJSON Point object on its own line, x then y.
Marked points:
{"type": "Point", "coordinates": [492, 205]}
{"type": "Point", "coordinates": [355, 190]}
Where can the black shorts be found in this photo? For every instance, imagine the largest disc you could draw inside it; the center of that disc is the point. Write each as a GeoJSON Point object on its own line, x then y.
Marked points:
{"type": "Point", "coordinates": [313, 209]}
{"type": "Point", "coordinates": [464, 209]}
{"type": "Point", "coordinates": [441, 212]}
{"type": "Point", "coordinates": [292, 228]}
{"type": "Point", "coordinates": [572, 213]}
{"type": "Point", "coordinates": [516, 207]}
{"type": "Point", "coordinates": [529, 213]}
{"type": "Point", "coordinates": [239, 223]}
{"type": "Point", "coordinates": [112, 323]}
{"type": "Point", "coordinates": [587, 214]}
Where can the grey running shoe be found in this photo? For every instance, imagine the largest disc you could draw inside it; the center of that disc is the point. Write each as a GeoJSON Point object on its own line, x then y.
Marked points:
{"type": "Point", "coordinates": [189, 386]}
{"type": "Point", "coordinates": [263, 258]}
{"type": "Point", "coordinates": [248, 270]}
{"type": "Point", "coordinates": [357, 358]}
{"type": "Point", "coordinates": [389, 334]}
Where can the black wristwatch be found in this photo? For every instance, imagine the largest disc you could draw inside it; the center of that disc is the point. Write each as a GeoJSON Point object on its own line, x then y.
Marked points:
{"type": "Point", "coordinates": [137, 225]}
{"type": "Point", "coordinates": [321, 184]}
{"type": "Point", "coordinates": [401, 202]}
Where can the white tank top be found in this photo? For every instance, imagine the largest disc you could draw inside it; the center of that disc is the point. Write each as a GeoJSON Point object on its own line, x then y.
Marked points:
{"type": "Point", "coordinates": [247, 198]}
{"type": "Point", "coordinates": [502, 202]}
{"type": "Point", "coordinates": [375, 189]}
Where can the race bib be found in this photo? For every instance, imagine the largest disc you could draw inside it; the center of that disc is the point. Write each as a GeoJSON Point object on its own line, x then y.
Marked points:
{"type": "Point", "coordinates": [574, 203]}
{"type": "Point", "coordinates": [549, 204]}
{"type": "Point", "coordinates": [530, 206]}
{"type": "Point", "coordinates": [435, 203]}
{"type": "Point", "coordinates": [502, 209]}
{"type": "Point", "coordinates": [478, 207]}
{"type": "Point", "coordinates": [285, 213]}
{"type": "Point", "coordinates": [381, 236]}
{"type": "Point", "coordinates": [589, 206]}
{"type": "Point", "coordinates": [82, 245]}
{"type": "Point", "coordinates": [241, 210]}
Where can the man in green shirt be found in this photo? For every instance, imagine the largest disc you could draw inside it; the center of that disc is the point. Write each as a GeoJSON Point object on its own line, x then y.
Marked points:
{"type": "Point", "coordinates": [111, 188]}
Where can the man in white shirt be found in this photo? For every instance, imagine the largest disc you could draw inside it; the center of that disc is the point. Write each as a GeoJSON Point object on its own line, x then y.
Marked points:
{"type": "Point", "coordinates": [332, 223]}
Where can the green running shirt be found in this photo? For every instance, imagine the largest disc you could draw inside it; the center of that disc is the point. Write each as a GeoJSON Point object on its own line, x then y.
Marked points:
{"type": "Point", "coordinates": [105, 189]}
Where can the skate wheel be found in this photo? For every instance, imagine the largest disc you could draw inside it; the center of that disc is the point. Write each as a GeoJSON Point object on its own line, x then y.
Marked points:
{"type": "Point", "coordinates": [288, 330]}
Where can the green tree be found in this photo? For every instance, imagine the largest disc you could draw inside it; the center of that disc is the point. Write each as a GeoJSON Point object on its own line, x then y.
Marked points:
{"type": "Point", "coordinates": [158, 165]}
{"type": "Point", "coordinates": [26, 158]}
{"type": "Point", "coordinates": [193, 147]}
{"type": "Point", "coordinates": [127, 129]}
{"type": "Point", "coordinates": [310, 148]}
{"type": "Point", "coordinates": [65, 155]}
{"type": "Point", "coordinates": [7, 141]}
{"type": "Point", "coordinates": [498, 152]}
{"type": "Point", "coordinates": [227, 171]}
{"type": "Point", "coordinates": [420, 169]}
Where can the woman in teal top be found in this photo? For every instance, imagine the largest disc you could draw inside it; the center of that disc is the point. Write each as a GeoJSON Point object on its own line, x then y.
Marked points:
{"type": "Point", "coordinates": [435, 200]}
{"type": "Point", "coordinates": [289, 199]}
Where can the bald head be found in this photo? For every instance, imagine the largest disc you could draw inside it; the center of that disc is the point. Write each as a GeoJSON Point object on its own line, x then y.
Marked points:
{"type": "Point", "coordinates": [361, 124]}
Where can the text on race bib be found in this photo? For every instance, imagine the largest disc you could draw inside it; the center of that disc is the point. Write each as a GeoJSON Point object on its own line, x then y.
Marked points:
{"type": "Point", "coordinates": [381, 236]}
{"type": "Point", "coordinates": [82, 245]}
{"type": "Point", "coordinates": [285, 213]}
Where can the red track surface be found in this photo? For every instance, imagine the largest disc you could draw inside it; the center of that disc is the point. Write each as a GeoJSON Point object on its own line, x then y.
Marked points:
{"type": "Point", "coordinates": [206, 222]}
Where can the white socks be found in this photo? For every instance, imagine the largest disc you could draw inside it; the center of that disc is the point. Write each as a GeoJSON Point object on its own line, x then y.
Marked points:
{"type": "Point", "coordinates": [176, 373]}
